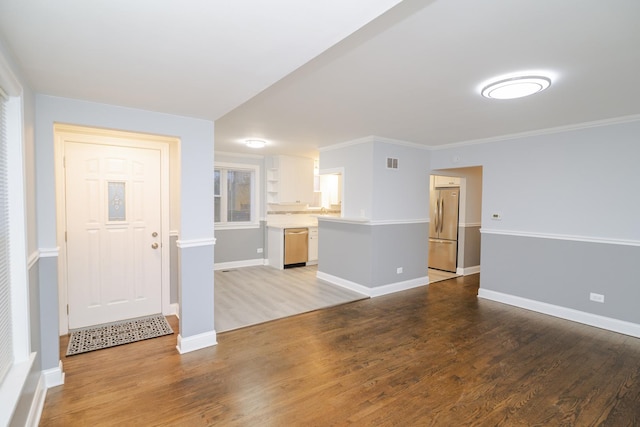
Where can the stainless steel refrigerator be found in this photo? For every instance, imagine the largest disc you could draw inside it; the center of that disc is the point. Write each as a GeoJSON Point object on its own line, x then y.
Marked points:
{"type": "Point", "coordinates": [443, 229]}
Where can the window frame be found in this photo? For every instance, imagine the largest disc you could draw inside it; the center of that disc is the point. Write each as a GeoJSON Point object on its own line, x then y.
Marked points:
{"type": "Point", "coordinates": [23, 358]}
{"type": "Point", "coordinates": [224, 167]}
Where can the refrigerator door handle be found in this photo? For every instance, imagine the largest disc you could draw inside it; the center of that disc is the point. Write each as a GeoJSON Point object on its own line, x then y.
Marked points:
{"type": "Point", "coordinates": [441, 215]}
{"type": "Point", "coordinates": [436, 213]}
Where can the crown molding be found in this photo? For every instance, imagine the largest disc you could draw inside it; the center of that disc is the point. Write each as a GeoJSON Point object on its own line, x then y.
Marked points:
{"type": "Point", "coordinates": [546, 131]}
{"type": "Point", "coordinates": [371, 139]}
{"type": "Point", "coordinates": [519, 135]}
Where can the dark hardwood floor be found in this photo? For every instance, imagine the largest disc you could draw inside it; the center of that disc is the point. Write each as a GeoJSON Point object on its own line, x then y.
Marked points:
{"type": "Point", "coordinates": [434, 355]}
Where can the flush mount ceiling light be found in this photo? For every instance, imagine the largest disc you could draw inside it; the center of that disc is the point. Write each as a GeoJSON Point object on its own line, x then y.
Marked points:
{"type": "Point", "coordinates": [516, 87]}
{"type": "Point", "coordinates": [255, 143]}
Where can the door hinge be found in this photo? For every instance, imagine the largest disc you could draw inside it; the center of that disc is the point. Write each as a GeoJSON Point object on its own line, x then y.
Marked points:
{"type": "Point", "coordinates": [64, 162]}
{"type": "Point", "coordinates": [67, 309]}
{"type": "Point", "coordinates": [65, 236]}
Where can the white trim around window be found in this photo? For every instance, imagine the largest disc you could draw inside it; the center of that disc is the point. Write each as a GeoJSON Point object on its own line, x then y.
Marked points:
{"type": "Point", "coordinates": [23, 359]}
{"type": "Point", "coordinates": [255, 196]}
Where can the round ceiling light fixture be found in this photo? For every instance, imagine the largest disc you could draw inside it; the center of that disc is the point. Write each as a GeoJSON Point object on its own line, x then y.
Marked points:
{"type": "Point", "coordinates": [515, 87]}
{"type": "Point", "coordinates": [255, 143]}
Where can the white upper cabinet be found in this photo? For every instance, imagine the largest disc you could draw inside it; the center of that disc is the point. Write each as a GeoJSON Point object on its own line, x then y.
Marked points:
{"type": "Point", "coordinates": [289, 180]}
{"type": "Point", "coordinates": [447, 181]}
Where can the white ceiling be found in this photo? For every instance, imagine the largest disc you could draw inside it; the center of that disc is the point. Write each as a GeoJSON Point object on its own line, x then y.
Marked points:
{"type": "Point", "coordinates": [273, 69]}
{"type": "Point", "coordinates": [197, 58]}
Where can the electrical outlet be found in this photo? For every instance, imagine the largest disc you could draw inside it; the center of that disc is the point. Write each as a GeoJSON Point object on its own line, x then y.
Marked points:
{"type": "Point", "coordinates": [497, 216]}
{"type": "Point", "coordinates": [399, 270]}
{"type": "Point", "coordinates": [596, 297]}
{"type": "Point", "coordinates": [259, 250]}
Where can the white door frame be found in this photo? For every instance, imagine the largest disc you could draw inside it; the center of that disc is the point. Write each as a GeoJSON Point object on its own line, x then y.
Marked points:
{"type": "Point", "coordinates": [63, 133]}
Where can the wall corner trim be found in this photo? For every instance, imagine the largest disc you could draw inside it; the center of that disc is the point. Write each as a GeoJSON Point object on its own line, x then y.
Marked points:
{"type": "Point", "coordinates": [194, 243]}
{"type": "Point", "coordinates": [174, 310]}
{"type": "Point", "coordinates": [53, 377]}
{"type": "Point", "coordinates": [602, 322]}
{"type": "Point", "coordinates": [33, 259]}
{"type": "Point", "coordinates": [460, 271]}
{"type": "Point", "coordinates": [196, 342]}
{"type": "Point", "coordinates": [373, 292]}
{"type": "Point", "coordinates": [49, 252]}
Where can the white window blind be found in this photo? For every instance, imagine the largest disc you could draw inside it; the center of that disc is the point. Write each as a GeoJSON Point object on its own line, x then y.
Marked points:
{"type": "Point", "coordinates": [6, 342]}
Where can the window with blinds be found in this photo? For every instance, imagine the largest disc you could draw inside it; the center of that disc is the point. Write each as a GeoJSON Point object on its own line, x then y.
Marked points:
{"type": "Point", "coordinates": [6, 342]}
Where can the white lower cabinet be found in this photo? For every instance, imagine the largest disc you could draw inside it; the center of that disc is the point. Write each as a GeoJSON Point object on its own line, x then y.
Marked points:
{"type": "Point", "coordinates": [275, 245]}
{"type": "Point", "coordinates": [313, 245]}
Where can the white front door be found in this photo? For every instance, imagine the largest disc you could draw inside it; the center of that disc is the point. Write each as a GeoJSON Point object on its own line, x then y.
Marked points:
{"type": "Point", "coordinates": [113, 215]}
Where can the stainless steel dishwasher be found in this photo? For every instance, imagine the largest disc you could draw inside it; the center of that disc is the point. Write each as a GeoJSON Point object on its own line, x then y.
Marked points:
{"type": "Point", "coordinates": [296, 247]}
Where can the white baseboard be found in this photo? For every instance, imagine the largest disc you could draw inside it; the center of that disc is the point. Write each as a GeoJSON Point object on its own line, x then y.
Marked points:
{"type": "Point", "coordinates": [373, 292]}
{"type": "Point", "coordinates": [53, 377]}
{"type": "Point", "coordinates": [467, 270]}
{"type": "Point", "coordinates": [196, 342]}
{"type": "Point", "coordinates": [37, 404]}
{"type": "Point", "coordinates": [174, 310]}
{"type": "Point", "coordinates": [239, 264]}
{"type": "Point", "coordinates": [590, 319]}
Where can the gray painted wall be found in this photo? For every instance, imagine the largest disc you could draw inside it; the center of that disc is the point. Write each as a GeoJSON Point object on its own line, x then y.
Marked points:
{"type": "Point", "coordinates": [399, 245]}
{"type": "Point", "coordinates": [196, 308]}
{"type": "Point", "coordinates": [369, 255]}
{"type": "Point", "coordinates": [560, 185]}
{"type": "Point", "coordinates": [471, 246]}
{"type": "Point", "coordinates": [240, 244]}
{"type": "Point", "coordinates": [345, 250]}
{"type": "Point", "coordinates": [174, 270]}
{"type": "Point", "coordinates": [564, 272]}
{"type": "Point", "coordinates": [568, 171]}
{"type": "Point", "coordinates": [403, 193]}
{"type": "Point", "coordinates": [395, 204]}
{"type": "Point", "coordinates": [50, 339]}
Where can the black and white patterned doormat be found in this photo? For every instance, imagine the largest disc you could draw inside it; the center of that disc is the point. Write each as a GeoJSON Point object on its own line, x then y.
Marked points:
{"type": "Point", "coordinates": [117, 333]}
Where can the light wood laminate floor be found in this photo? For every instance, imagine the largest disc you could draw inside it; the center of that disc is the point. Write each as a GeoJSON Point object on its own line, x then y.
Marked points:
{"type": "Point", "coordinates": [251, 295]}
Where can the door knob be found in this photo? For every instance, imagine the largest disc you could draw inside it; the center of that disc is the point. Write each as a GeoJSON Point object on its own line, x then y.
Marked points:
{"type": "Point", "coordinates": [154, 246]}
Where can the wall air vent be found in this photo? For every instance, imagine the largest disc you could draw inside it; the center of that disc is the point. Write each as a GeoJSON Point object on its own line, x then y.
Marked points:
{"type": "Point", "coordinates": [392, 163]}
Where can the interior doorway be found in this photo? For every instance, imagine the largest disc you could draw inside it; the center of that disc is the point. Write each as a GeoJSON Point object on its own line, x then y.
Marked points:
{"type": "Point", "coordinates": [469, 182]}
{"type": "Point", "coordinates": [112, 191]}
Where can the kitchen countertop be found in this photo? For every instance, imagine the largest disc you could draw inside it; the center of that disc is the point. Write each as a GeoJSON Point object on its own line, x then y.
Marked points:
{"type": "Point", "coordinates": [292, 225]}
{"type": "Point", "coordinates": [307, 224]}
